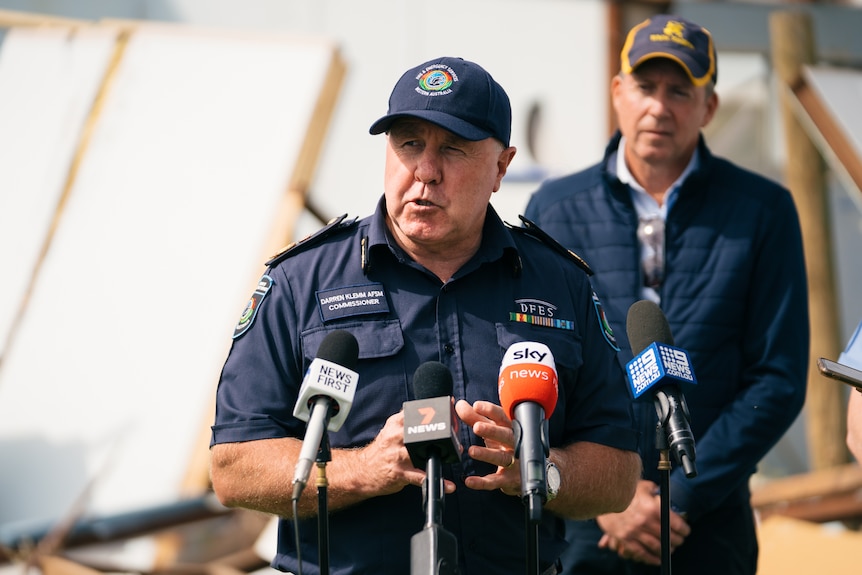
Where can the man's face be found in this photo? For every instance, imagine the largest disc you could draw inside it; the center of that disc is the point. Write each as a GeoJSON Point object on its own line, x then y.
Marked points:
{"type": "Point", "coordinates": [660, 113]}
{"type": "Point", "coordinates": [438, 185]}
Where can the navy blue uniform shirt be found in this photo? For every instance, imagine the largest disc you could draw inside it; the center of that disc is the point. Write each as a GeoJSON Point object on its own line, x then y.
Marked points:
{"type": "Point", "coordinates": [514, 289]}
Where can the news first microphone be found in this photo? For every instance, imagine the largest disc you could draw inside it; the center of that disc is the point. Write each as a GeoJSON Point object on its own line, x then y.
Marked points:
{"type": "Point", "coordinates": [325, 397]}
{"type": "Point", "coordinates": [659, 367]}
{"type": "Point", "coordinates": [528, 394]}
{"type": "Point", "coordinates": [430, 423]}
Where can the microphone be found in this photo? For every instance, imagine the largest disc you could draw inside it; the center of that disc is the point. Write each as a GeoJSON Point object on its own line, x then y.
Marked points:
{"type": "Point", "coordinates": [528, 394]}
{"type": "Point", "coordinates": [430, 424]}
{"type": "Point", "coordinates": [325, 397]}
{"type": "Point", "coordinates": [430, 435]}
{"type": "Point", "coordinates": [659, 366]}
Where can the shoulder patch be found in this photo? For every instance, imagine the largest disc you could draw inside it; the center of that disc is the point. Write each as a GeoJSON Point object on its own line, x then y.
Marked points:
{"type": "Point", "coordinates": [334, 225]}
{"type": "Point", "coordinates": [250, 311]}
{"type": "Point", "coordinates": [607, 330]}
{"type": "Point", "coordinates": [532, 230]}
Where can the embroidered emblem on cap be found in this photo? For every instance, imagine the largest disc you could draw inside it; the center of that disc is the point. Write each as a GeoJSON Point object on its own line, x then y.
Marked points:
{"type": "Point", "coordinates": [673, 32]}
{"type": "Point", "coordinates": [538, 312]}
{"type": "Point", "coordinates": [250, 311]}
{"type": "Point", "coordinates": [436, 80]}
{"type": "Point", "coordinates": [607, 330]}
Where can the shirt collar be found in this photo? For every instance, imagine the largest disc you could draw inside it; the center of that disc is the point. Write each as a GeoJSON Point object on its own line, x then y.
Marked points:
{"type": "Point", "coordinates": [643, 202]}
{"type": "Point", "coordinates": [496, 239]}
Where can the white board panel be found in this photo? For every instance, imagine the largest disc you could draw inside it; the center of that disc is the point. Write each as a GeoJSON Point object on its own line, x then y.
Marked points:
{"type": "Point", "coordinates": [161, 241]}
{"type": "Point", "coordinates": [48, 80]}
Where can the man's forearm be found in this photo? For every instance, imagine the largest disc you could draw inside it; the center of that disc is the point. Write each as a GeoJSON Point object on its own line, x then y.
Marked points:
{"type": "Point", "coordinates": [596, 479]}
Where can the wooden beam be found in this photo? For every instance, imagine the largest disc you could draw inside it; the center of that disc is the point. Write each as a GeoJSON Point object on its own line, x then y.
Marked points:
{"type": "Point", "coordinates": [792, 48]}
{"type": "Point", "coordinates": [827, 495]}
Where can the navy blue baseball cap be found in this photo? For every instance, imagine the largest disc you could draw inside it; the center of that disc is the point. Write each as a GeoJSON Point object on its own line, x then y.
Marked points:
{"type": "Point", "coordinates": [455, 94]}
{"type": "Point", "coordinates": [664, 36]}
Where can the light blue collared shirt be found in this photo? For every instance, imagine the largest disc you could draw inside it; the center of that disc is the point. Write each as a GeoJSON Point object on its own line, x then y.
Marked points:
{"type": "Point", "coordinates": [647, 207]}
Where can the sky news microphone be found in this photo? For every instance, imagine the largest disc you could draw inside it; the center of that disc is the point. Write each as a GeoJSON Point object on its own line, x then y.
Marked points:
{"type": "Point", "coordinates": [325, 397]}
{"type": "Point", "coordinates": [528, 394]}
{"type": "Point", "coordinates": [660, 368]}
{"type": "Point", "coordinates": [430, 424]}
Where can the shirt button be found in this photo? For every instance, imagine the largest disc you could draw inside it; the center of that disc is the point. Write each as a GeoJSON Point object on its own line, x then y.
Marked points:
{"type": "Point", "coordinates": [449, 348]}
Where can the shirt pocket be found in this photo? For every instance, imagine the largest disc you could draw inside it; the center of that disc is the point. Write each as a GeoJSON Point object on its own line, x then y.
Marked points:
{"type": "Point", "coordinates": [565, 346]}
{"type": "Point", "coordinates": [382, 386]}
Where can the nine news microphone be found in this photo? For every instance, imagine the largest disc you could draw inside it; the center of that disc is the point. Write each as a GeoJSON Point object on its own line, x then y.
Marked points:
{"type": "Point", "coordinates": [325, 397]}
{"type": "Point", "coordinates": [430, 424]}
{"type": "Point", "coordinates": [528, 394]}
{"type": "Point", "coordinates": [660, 367]}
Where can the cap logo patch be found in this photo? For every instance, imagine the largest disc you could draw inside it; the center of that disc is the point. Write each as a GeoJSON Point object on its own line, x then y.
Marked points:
{"type": "Point", "coordinates": [436, 80]}
{"type": "Point", "coordinates": [673, 32]}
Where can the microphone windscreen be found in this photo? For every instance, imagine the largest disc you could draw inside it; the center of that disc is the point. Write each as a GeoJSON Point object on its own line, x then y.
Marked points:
{"type": "Point", "coordinates": [528, 373]}
{"type": "Point", "coordinates": [646, 324]}
{"type": "Point", "coordinates": [432, 379]}
{"type": "Point", "coordinates": [341, 348]}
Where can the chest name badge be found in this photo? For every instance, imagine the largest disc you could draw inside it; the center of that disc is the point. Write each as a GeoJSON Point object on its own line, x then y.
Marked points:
{"type": "Point", "coordinates": [350, 301]}
{"type": "Point", "coordinates": [250, 311]}
{"type": "Point", "coordinates": [538, 312]}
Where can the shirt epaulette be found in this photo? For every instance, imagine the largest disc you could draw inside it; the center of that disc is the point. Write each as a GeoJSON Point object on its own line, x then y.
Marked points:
{"type": "Point", "coordinates": [532, 230]}
{"type": "Point", "coordinates": [334, 225]}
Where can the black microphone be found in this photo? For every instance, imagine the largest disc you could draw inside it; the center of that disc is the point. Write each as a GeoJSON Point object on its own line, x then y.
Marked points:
{"type": "Point", "coordinates": [430, 424]}
{"type": "Point", "coordinates": [430, 435]}
{"type": "Point", "coordinates": [659, 366]}
{"type": "Point", "coordinates": [325, 397]}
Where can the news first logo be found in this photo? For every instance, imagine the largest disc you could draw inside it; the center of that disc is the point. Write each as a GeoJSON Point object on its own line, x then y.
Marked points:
{"type": "Point", "coordinates": [656, 362]}
{"type": "Point", "coordinates": [328, 379]}
{"type": "Point", "coordinates": [330, 376]}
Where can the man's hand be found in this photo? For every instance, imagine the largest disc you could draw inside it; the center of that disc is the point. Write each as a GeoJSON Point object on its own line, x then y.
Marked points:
{"type": "Point", "coordinates": [490, 422]}
{"type": "Point", "coordinates": [636, 532]}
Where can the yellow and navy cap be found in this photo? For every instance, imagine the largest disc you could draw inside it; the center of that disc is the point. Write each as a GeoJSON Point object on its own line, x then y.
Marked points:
{"type": "Point", "coordinates": [666, 36]}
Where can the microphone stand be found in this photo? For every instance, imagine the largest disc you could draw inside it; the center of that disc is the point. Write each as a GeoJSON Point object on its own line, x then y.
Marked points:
{"type": "Point", "coordinates": [323, 455]}
{"type": "Point", "coordinates": [532, 545]}
{"type": "Point", "coordinates": [664, 466]}
{"type": "Point", "coordinates": [433, 551]}
{"type": "Point", "coordinates": [533, 479]}
{"type": "Point", "coordinates": [668, 407]}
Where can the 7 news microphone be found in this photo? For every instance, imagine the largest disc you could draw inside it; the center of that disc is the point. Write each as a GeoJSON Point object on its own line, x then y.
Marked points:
{"type": "Point", "coordinates": [430, 435]}
{"type": "Point", "coordinates": [430, 424]}
{"type": "Point", "coordinates": [660, 367]}
{"type": "Point", "coordinates": [325, 397]}
{"type": "Point", "coordinates": [528, 391]}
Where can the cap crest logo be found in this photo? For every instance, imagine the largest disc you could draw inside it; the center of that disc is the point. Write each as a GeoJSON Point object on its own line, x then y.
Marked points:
{"type": "Point", "coordinates": [436, 80]}
{"type": "Point", "coordinates": [673, 32]}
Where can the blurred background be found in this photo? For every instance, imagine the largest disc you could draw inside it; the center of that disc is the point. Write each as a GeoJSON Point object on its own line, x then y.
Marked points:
{"type": "Point", "coordinates": [155, 153]}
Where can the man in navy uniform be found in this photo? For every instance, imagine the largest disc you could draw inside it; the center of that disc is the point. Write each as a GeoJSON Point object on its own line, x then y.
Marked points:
{"type": "Point", "coordinates": [452, 284]}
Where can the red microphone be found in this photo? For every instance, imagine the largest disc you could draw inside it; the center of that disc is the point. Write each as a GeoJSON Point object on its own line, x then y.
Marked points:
{"type": "Point", "coordinates": [528, 394]}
